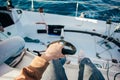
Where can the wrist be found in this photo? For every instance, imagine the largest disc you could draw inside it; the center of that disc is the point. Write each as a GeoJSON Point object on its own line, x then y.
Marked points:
{"type": "Point", "coordinates": [38, 62]}
{"type": "Point", "coordinates": [46, 57]}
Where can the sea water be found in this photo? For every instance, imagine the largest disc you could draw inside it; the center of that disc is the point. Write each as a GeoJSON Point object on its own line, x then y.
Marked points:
{"type": "Point", "coordinates": [94, 9]}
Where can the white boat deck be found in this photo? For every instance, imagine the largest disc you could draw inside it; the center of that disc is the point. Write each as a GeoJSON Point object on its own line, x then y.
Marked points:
{"type": "Point", "coordinates": [26, 26]}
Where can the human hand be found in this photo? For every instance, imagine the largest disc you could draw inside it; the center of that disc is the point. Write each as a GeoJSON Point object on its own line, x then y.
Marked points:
{"type": "Point", "coordinates": [54, 51]}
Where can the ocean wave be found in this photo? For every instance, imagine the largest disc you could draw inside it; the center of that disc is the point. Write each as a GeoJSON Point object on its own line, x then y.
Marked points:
{"type": "Point", "coordinates": [95, 9]}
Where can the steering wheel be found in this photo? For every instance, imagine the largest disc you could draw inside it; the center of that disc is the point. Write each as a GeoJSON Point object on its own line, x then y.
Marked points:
{"type": "Point", "coordinates": [65, 51]}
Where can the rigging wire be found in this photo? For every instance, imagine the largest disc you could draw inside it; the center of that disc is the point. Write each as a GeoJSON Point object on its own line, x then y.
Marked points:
{"type": "Point", "coordinates": [105, 50]}
{"type": "Point", "coordinates": [108, 70]}
{"type": "Point", "coordinates": [107, 60]}
{"type": "Point", "coordinates": [95, 45]}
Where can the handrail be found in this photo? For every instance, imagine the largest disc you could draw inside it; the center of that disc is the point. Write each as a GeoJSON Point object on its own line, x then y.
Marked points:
{"type": "Point", "coordinates": [111, 39]}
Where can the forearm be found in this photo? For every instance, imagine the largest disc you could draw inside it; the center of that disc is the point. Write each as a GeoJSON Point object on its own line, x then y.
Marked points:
{"type": "Point", "coordinates": [35, 70]}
